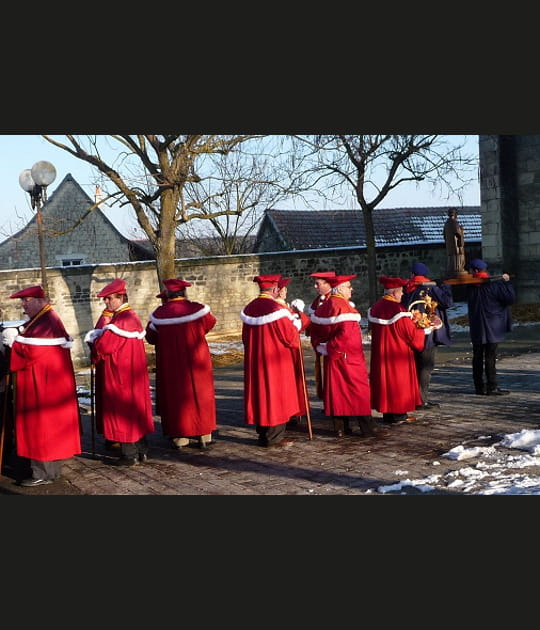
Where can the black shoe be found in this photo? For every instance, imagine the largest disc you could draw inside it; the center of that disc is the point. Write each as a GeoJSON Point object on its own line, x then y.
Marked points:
{"type": "Point", "coordinates": [498, 392]}
{"type": "Point", "coordinates": [427, 405]}
{"type": "Point", "coordinates": [143, 457]}
{"type": "Point", "coordinates": [31, 483]}
{"type": "Point", "coordinates": [125, 461]}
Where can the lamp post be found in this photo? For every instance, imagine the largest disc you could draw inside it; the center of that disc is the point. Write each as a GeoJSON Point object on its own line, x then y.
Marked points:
{"type": "Point", "coordinates": [35, 181]}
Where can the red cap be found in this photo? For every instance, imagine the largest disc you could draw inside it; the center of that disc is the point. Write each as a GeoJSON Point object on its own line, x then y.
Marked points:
{"type": "Point", "coordinates": [163, 294]}
{"type": "Point", "coordinates": [176, 284]}
{"type": "Point", "coordinates": [265, 282]}
{"type": "Point", "coordinates": [392, 283]}
{"type": "Point", "coordinates": [36, 291]}
{"type": "Point", "coordinates": [323, 274]}
{"type": "Point", "coordinates": [283, 282]}
{"type": "Point", "coordinates": [337, 280]}
{"type": "Point", "coordinates": [116, 286]}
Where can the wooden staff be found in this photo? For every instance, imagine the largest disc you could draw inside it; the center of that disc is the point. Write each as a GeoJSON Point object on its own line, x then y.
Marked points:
{"type": "Point", "coordinates": [92, 408]}
{"type": "Point", "coordinates": [470, 279]}
{"type": "Point", "coordinates": [304, 388]}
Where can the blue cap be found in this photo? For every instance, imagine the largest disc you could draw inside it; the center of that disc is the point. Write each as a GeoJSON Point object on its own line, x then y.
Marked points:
{"type": "Point", "coordinates": [419, 269]}
{"type": "Point", "coordinates": [477, 263]}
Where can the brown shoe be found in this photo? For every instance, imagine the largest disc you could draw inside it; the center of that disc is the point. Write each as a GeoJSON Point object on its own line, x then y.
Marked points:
{"type": "Point", "coordinates": [410, 419]}
{"type": "Point", "coordinates": [284, 443]}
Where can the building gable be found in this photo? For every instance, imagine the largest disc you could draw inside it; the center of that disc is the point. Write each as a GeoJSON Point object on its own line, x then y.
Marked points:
{"type": "Point", "coordinates": [72, 234]}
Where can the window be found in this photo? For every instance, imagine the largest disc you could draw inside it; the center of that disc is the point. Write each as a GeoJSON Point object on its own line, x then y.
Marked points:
{"type": "Point", "coordinates": [71, 262]}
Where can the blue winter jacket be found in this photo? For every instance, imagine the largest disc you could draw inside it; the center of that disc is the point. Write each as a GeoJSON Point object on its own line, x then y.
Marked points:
{"type": "Point", "coordinates": [490, 318]}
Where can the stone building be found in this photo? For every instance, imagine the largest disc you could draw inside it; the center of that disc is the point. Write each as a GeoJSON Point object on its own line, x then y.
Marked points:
{"type": "Point", "coordinates": [74, 234]}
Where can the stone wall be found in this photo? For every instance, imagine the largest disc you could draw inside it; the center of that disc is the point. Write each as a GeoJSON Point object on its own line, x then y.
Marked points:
{"type": "Point", "coordinates": [225, 283]}
{"type": "Point", "coordinates": [510, 193]}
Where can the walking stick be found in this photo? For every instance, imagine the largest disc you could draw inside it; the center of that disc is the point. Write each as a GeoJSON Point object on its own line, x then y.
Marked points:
{"type": "Point", "coordinates": [4, 418]}
{"type": "Point", "coordinates": [304, 388]}
{"type": "Point", "coordinates": [92, 409]}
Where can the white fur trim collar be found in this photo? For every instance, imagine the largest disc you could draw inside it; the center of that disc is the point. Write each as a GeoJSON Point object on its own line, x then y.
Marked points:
{"type": "Point", "coordinates": [43, 341]}
{"type": "Point", "coordinates": [125, 333]}
{"type": "Point", "coordinates": [169, 321]}
{"type": "Point", "coordinates": [388, 322]}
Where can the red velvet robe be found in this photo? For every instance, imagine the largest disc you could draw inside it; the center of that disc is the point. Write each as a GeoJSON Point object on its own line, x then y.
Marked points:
{"type": "Point", "coordinates": [184, 371]}
{"type": "Point", "coordinates": [393, 377]}
{"type": "Point", "coordinates": [125, 388]}
{"type": "Point", "coordinates": [47, 417]}
{"type": "Point", "coordinates": [270, 386]}
{"type": "Point", "coordinates": [346, 390]}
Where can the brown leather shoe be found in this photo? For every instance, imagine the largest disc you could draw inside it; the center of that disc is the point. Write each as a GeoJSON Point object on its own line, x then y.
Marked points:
{"type": "Point", "coordinates": [284, 443]}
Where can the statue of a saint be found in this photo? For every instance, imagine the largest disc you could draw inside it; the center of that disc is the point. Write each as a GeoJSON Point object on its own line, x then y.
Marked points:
{"type": "Point", "coordinates": [455, 245]}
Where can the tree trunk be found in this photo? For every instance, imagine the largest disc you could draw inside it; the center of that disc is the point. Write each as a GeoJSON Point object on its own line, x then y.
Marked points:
{"type": "Point", "coordinates": [165, 247]}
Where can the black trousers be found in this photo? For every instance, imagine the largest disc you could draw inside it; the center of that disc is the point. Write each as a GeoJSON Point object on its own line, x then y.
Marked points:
{"type": "Point", "coordinates": [425, 364]}
{"type": "Point", "coordinates": [132, 450]}
{"type": "Point", "coordinates": [484, 362]}
{"type": "Point", "coordinates": [271, 435]}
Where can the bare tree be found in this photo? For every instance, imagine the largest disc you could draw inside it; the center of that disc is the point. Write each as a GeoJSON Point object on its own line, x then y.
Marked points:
{"type": "Point", "coordinates": [153, 174]}
{"type": "Point", "coordinates": [173, 180]}
{"type": "Point", "coordinates": [248, 181]}
{"type": "Point", "coordinates": [370, 166]}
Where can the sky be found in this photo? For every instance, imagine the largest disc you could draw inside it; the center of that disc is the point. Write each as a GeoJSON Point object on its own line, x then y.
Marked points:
{"type": "Point", "coordinates": [22, 151]}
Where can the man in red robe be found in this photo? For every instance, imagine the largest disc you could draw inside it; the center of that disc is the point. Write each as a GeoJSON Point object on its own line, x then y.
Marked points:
{"type": "Point", "coordinates": [394, 337]}
{"type": "Point", "coordinates": [124, 393]}
{"type": "Point", "coordinates": [269, 335]}
{"type": "Point", "coordinates": [346, 384]}
{"type": "Point", "coordinates": [47, 417]}
{"type": "Point", "coordinates": [184, 372]}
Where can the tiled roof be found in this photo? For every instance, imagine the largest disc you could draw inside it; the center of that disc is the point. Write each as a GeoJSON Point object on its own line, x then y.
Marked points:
{"type": "Point", "coordinates": [318, 229]}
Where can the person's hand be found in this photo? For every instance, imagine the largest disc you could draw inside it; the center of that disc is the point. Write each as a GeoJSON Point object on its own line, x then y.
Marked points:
{"type": "Point", "coordinates": [298, 305]}
{"type": "Point", "coordinates": [505, 277]}
{"type": "Point", "coordinates": [321, 349]}
{"type": "Point", "coordinates": [8, 336]}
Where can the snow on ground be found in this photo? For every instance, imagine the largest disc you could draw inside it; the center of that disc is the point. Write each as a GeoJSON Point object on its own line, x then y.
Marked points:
{"type": "Point", "coordinates": [497, 470]}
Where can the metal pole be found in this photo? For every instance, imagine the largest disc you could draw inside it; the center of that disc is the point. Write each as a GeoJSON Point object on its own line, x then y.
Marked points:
{"type": "Point", "coordinates": [39, 220]}
{"type": "Point", "coordinates": [4, 419]}
{"type": "Point", "coordinates": [304, 387]}
{"type": "Point", "coordinates": [92, 407]}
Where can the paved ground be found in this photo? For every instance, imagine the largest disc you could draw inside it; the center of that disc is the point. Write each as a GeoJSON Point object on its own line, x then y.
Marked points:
{"type": "Point", "coordinates": [324, 465]}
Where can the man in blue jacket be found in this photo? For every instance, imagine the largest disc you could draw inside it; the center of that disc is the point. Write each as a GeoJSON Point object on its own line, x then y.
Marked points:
{"type": "Point", "coordinates": [490, 319]}
{"type": "Point", "coordinates": [433, 299]}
